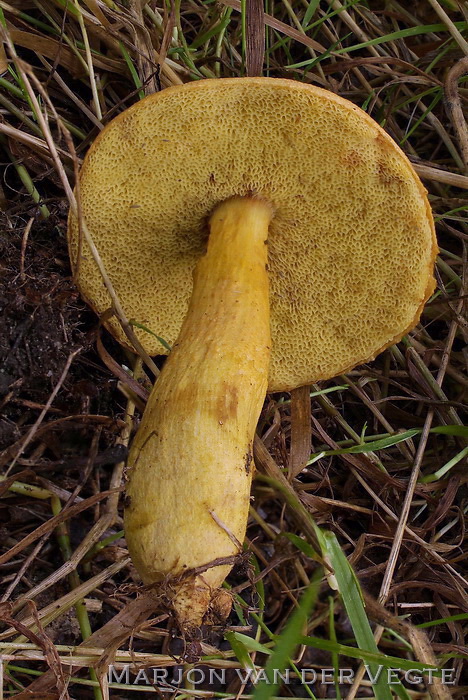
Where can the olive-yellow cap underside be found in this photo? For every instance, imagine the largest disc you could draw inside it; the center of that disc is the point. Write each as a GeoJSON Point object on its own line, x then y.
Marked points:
{"type": "Point", "coordinates": [351, 244]}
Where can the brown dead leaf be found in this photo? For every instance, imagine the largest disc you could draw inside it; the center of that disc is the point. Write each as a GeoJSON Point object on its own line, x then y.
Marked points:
{"type": "Point", "coordinates": [62, 55]}
{"type": "Point", "coordinates": [301, 430]}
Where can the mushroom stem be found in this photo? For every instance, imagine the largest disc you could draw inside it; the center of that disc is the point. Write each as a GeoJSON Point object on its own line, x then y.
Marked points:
{"type": "Point", "coordinates": [191, 461]}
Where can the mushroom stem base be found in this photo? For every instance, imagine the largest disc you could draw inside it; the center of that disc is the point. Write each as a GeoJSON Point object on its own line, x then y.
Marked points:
{"type": "Point", "coordinates": [191, 462]}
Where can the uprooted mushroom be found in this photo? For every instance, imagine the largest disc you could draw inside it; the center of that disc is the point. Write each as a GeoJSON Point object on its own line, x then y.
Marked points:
{"type": "Point", "coordinates": [225, 212]}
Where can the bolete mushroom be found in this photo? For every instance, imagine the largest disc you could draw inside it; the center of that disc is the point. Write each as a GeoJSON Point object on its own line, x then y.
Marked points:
{"type": "Point", "coordinates": [320, 230]}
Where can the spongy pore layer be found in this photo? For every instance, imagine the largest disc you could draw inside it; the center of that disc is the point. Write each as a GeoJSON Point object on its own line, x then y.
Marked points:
{"type": "Point", "coordinates": [351, 244]}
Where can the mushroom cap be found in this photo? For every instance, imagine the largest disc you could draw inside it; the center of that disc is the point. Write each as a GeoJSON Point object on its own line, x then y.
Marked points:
{"type": "Point", "coordinates": [351, 245]}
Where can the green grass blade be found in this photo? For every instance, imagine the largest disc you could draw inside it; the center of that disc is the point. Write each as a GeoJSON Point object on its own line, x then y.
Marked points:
{"type": "Point", "coordinates": [350, 591]}
{"type": "Point", "coordinates": [447, 466]}
{"type": "Point", "coordinates": [455, 430]}
{"type": "Point", "coordinates": [375, 658]}
{"type": "Point", "coordinates": [249, 643]}
{"type": "Point", "coordinates": [301, 544]}
{"type": "Point", "coordinates": [443, 620]}
{"type": "Point", "coordinates": [241, 650]}
{"type": "Point", "coordinates": [381, 444]}
{"type": "Point", "coordinates": [402, 34]}
{"type": "Point", "coordinates": [333, 638]}
{"type": "Point", "coordinates": [132, 71]}
{"type": "Point", "coordinates": [163, 342]}
{"type": "Point", "coordinates": [288, 641]}
{"type": "Point", "coordinates": [310, 12]}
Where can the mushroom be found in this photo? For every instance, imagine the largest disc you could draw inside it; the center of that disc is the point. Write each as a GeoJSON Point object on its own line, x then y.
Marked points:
{"type": "Point", "coordinates": [319, 230]}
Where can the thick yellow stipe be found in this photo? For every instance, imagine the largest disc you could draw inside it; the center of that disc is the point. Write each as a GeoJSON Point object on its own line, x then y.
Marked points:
{"type": "Point", "coordinates": [191, 462]}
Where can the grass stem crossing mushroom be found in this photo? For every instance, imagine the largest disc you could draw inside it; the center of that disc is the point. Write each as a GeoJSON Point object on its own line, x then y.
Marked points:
{"type": "Point", "coordinates": [346, 272]}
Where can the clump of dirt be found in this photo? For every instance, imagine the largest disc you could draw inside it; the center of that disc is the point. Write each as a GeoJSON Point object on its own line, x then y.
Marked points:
{"type": "Point", "coordinates": [43, 320]}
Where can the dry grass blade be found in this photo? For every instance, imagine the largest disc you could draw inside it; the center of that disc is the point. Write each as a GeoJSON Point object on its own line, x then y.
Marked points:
{"type": "Point", "coordinates": [454, 106]}
{"type": "Point", "coordinates": [301, 430]}
{"type": "Point", "coordinates": [43, 413]}
{"type": "Point", "coordinates": [56, 609]}
{"type": "Point", "coordinates": [281, 27]}
{"type": "Point", "coordinates": [117, 630]}
{"type": "Point", "coordinates": [255, 37]}
{"type": "Point", "coordinates": [43, 641]}
{"type": "Point", "coordinates": [426, 172]}
{"type": "Point", "coordinates": [51, 524]}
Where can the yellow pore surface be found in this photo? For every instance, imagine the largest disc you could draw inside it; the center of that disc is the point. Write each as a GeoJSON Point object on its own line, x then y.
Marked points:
{"type": "Point", "coordinates": [351, 243]}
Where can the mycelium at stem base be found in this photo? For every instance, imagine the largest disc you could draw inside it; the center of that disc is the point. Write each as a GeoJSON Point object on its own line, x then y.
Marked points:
{"type": "Point", "coordinates": [191, 461]}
